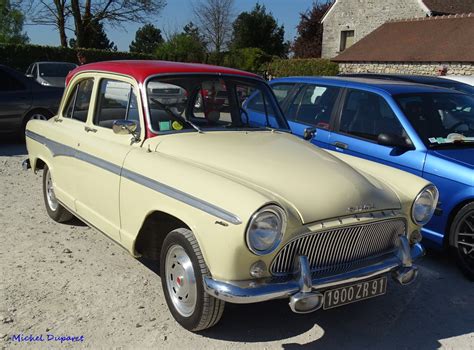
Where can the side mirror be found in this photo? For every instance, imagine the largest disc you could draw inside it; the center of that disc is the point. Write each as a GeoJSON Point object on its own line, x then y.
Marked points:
{"type": "Point", "coordinates": [392, 140]}
{"type": "Point", "coordinates": [124, 127]}
{"type": "Point", "coordinates": [309, 133]}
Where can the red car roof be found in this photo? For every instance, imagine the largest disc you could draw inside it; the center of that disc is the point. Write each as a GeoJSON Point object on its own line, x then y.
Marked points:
{"type": "Point", "coordinates": [140, 70]}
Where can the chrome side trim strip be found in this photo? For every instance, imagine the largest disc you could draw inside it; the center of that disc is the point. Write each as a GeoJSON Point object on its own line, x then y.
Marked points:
{"type": "Point", "coordinates": [181, 196]}
{"type": "Point", "coordinates": [62, 150]}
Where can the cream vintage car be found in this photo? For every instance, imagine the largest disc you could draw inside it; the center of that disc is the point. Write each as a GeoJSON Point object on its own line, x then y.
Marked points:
{"type": "Point", "coordinates": [231, 211]}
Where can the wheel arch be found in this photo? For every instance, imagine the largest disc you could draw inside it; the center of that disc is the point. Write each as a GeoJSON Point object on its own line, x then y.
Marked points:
{"type": "Point", "coordinates": [36, 110]}
{"type": "Point", "coordinates": [452, 214]}
{"type": "Point", "coordinates": [156, 226]}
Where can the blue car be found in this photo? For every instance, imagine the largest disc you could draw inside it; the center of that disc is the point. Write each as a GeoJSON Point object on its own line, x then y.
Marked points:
{"type": "Point", "coordinates": [425, 130]}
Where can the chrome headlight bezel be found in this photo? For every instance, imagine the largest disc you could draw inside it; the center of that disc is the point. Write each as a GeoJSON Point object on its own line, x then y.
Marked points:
{"type": "Point", "coordinates": [280, 214]}
{"type": "Point", "coordinates": [432, 192]}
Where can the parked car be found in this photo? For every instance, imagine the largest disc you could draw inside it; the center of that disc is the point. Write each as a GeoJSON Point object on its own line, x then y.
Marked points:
{"type": "Point", "coordinates": [465, 79]}
{"type": "Point", "coordinates": [50, 73]}
{"type": "Point", "coordinates": [232, 213]}
{"type": "Point", "coordinates": [22, 99]}
{"type": "Point", "coordinates": [419, 79]}
{"type": "Point", "coordinates": [425, 130]}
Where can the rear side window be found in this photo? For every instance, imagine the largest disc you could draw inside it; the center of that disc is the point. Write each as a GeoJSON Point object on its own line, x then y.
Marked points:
{"type": "Point", "coordinates": [281, 91]}
{"type": "Point", "coordinates": [77, 106]}
{"type": "Point", "coordinates": [116, 101]}
{"type": "Point", "coordinates": [314, 105]}
{"type": "Point", "coordinates": [367, 115]}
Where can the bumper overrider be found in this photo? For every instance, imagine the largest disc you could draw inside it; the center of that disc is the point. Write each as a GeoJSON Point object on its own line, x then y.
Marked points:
{"type": "Point", "coordinates": [304, 292]}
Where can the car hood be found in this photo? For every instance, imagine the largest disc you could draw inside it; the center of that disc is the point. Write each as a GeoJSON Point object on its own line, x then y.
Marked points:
{"type": "Point", "coordinates": [463, 156]}
{"type": "Point", "coordinates": [283, 167]}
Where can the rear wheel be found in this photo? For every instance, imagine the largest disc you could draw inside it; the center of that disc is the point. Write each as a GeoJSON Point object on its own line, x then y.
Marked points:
{"type": "Point", "coordinates": [55, 210]}
{"type": "Point", "coordinates": [182, 269]}
{"type": "Point", "coordinates": [462, 239]}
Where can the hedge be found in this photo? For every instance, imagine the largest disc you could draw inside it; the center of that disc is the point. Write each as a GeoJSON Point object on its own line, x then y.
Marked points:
{"type": "Point", "coordinates": [302, 67]}
{"type": "Point", "coordinates": [21, 56]}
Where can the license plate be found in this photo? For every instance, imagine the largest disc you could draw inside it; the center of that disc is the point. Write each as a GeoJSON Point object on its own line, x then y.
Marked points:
{"type": "Point", "coordinates": [355, 292]}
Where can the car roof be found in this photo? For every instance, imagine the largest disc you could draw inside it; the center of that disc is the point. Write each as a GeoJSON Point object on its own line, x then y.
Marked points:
{"type": "Point", "coordinates": [391, 87]}
{"type": "Point", "coordinates": [142, 69]}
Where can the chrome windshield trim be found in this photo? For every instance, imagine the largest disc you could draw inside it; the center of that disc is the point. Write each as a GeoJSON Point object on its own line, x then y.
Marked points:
{"type": "Point", "coordinates": [58, 149]}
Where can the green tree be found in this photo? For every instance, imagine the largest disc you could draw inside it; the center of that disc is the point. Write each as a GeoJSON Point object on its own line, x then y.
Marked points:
{"type": "Point", "coordinates": [259, 29]}
{"type": "Point", "coordinates": [250, 59]}
{"type": "Point", "coordinates": [182, 48]}
{"type": "Point", "coordinates": [308, 43]}
{"type": "Point", "coordinates": [147, 39]}
{"type": "Point", "coordinates": [95, 38]}
{"type": "Point", "coordinates": [11, 24]}
{"type": "Point", "coordinates": [192, 30]}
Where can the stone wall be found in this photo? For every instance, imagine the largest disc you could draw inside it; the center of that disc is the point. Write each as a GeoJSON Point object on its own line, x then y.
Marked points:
{"type": "Point", "coordinates": [363, 16]}
{"type": "Point", "coordinates": [424, 68]}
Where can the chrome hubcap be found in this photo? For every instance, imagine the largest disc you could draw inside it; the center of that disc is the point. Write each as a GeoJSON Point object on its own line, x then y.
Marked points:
{"type": "Point", "coordinates": [50, 196]}
{"type": "Point", "coordinates": [38, 116]}
{"type": "Point", "coordinates": [180, 280]}
{"type": "Point", "coordinates": [465, 235]}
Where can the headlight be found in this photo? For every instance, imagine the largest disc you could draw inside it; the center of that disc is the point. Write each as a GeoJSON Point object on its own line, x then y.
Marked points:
{"type": "Point", "coordinates": [265, 230]}
{"type": "Point", "coordinates": [425, 205]}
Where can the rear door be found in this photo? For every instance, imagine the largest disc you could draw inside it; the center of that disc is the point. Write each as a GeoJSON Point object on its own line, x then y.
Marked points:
{"type": "Point", "coordinates": [363, 117]}
{"type": "Point", "coordinates": [15, 101]}
{"type": "Point", "coordinates": [313, 107]}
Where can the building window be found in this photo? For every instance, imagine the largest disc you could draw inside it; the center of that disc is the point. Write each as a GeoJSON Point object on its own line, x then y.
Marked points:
{"type": "Point", "coordinates": [347, 39]}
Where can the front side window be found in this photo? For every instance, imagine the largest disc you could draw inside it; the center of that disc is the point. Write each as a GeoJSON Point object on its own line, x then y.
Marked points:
{"type": "Point", "coordinates": [315, 105]}
{"type": "Point", "coordinates": [367, 115]}
{"type": "Point", "coordinates": [116, 101]}
{"type": "Point", "coordinates": [77, 106]}
{"type": "Point", "coordinates": [440, 118]}
{"type": "Point", "coordinates": [209, 102]}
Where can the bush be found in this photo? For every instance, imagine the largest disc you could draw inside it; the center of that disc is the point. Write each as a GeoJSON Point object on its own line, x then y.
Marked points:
{"type": "Point", "coordinates": [302, 67]}
{"type": "Point", "coordinates": [21, 56]}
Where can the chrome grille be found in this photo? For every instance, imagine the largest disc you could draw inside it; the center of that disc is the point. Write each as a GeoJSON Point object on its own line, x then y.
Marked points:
{"type": "Point", "coordinates": [338, 250]}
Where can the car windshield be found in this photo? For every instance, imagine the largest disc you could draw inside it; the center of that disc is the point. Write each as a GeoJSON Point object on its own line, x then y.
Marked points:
{"type": "Point", "coordinates": [441, 119]}
{"type": "Point", "coordinates": [55, 70]}
{"type": "Point", "coordinates": [209, 102]}
{"type": "Point", "coordinates": [467, 89]}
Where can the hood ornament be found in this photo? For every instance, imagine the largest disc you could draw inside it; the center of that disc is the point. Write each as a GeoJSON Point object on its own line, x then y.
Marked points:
{"type": "Point", "coordinates": [361, 208]}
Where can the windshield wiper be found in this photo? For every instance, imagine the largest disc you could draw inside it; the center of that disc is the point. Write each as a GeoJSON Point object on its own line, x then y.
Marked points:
{"type": "Point", "coordinates": [176, 115]}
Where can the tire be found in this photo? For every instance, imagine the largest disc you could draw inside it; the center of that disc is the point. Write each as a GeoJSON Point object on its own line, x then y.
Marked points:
{"type": "Point", "coordinates": [462, 240]}
{"type": "Point", "coordinates": [182, 283]}
{"type": "Point", "coordinates": [55, 210]}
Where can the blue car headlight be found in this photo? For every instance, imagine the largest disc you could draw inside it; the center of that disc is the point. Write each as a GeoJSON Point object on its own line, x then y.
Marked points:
{"type": "Point", "coordinates": [265, 230]}
{"type": "Point", "coordinates": [425, 205]}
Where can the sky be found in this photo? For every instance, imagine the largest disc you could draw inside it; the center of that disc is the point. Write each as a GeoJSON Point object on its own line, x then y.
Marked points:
{"type": "Point", "coordinates": [175, 15]}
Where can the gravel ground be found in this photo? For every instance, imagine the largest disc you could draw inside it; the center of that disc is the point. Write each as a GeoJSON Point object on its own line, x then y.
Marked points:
{"type": "Point", "coordinates": [70, 280]}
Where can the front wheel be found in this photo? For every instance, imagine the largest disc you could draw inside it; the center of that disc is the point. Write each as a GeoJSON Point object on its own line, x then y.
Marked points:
{"type": "Point", "coordinates": [462, 239]}
{"type": "Point", "coordinates": [182, 268]}
{"type": "Point", "coordinates": [55, 210]}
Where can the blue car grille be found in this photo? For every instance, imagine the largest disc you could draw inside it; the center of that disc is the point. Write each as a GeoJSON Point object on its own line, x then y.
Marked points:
{"type": "Point", "coordinates": [341, 249]}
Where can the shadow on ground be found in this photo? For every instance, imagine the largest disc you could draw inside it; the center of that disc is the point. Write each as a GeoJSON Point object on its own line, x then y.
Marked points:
{"type": "Point", "coordinates": [437, 306]}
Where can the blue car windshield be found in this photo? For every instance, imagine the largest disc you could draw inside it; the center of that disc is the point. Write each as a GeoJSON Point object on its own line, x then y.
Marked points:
{"type": "Point", "coordinates": [440, 118]}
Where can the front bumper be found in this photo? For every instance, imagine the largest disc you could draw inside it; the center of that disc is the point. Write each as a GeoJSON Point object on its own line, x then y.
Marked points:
{"type": "Point", "coordinates": [254, 291]}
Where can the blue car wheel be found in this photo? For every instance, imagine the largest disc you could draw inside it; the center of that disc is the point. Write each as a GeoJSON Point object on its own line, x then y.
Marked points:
{"type": "Point", "coordinates": [462, 231]}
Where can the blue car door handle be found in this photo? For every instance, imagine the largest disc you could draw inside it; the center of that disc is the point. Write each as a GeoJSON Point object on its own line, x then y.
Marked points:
{"type": "Point", "coordinates": [341, 145]}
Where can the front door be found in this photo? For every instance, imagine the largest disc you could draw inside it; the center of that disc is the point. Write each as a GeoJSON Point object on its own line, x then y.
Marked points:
{"type": "Point", "coordinates": [365, 115]}
{"type": "Point", "coordinates": [15, 101]}
{"type": "Point", "coordinates": [101, 153]}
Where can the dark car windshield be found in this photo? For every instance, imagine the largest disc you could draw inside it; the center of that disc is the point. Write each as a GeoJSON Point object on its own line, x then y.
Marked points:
{"type": "Point", "coordinates": [205, 102]}
{"type": "Point", "coordinates": [55, 70]}
{"type": "Point", "coordinates": [440, 118]}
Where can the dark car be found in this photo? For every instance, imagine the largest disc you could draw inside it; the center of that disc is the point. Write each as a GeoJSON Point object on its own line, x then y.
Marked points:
{"type": "Point", "coordinates": [22, 99]}
{"type": "Point", "coordinates": [419, 79]}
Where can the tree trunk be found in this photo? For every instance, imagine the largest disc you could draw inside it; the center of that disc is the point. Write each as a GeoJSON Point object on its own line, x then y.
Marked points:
{"type": "Point", "coordinates": [60, 22]}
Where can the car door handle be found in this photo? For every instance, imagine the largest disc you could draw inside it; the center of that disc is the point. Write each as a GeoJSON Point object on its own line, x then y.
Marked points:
{"type": "Point", "coordinates": [341, 145]}
{"type": "Point", "coordinates": [89, 129]}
